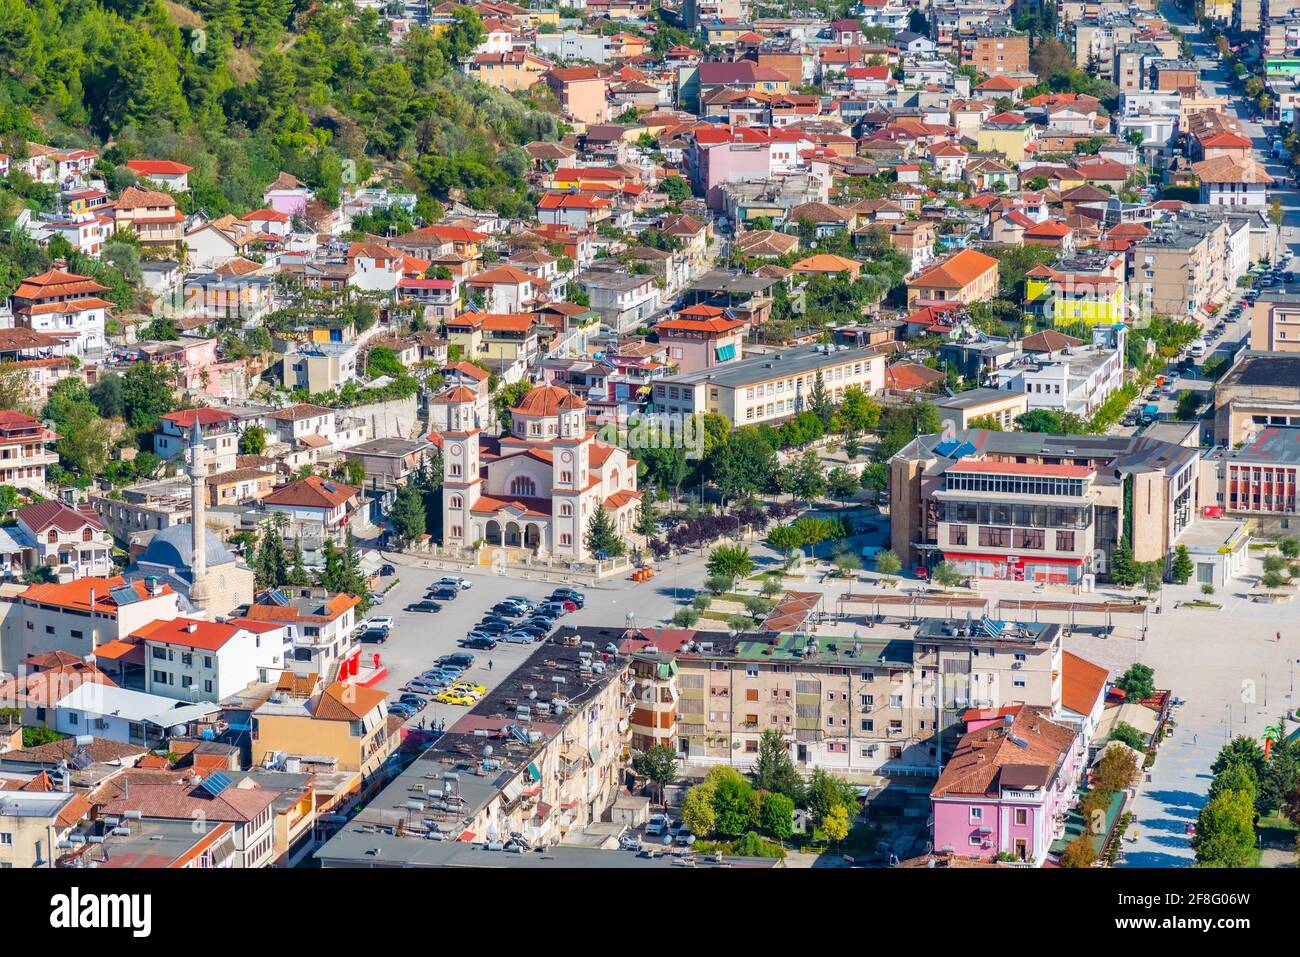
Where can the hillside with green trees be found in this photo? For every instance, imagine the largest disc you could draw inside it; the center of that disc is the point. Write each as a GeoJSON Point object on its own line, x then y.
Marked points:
{"type": "Point", "coordinates": [242, 89]}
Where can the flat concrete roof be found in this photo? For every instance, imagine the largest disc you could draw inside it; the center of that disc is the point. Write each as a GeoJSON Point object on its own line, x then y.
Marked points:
{"type": "Point", "coordinates": [1213, 535]}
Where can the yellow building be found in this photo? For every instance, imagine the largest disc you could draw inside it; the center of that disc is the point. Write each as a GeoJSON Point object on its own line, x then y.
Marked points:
{"type": "Point", "coordinates": [1072, 297]}
{"type": "Point", "coordinates": [348, 722]}
{"type": "Point", "coordinates": [1010, 139]}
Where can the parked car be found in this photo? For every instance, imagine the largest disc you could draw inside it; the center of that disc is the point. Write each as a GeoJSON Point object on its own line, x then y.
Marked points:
{"type": "Point", "coordinates": [454, 581]}
{"type": "Point", "coordinates": [373, 636]}
{"type": "Point", "coordinates": [444, 594]}
{"type": "Point", "coordinates": [379, 621]}
{"type": "Point", "coordinates": [541, 622]}
{"type": "Point", "coordinates": [658, 824]}
{"type": "Point", "coordinates": [418, 702]}
{"type": "Point", "coordinates": [557, 608]}
{"type": "Point", "coordinates": [386, 570]}
{"type": "Point", "coordinates": [469, 687]}
{"type": "Point", "coordinates": [569, 594]}
{"type": "Point", "coordinates": [457, 658]}
{"type": "Point", "coordinates": [402, 710]}
{"type": "Point", "coordinates": [493, 627]}
{"type": "Point", "coordinates": [629, 842]}
{"type": "Point", "coordinates": [424, 686]}
{"type": "Point", "coordinates": [518, 638]}
{"type": "Point", "coordinates": [509, 609]}
{"type": "Point", "coordinates": [456, 697]}
{"type": "Point", "coordinates": [685, 838]}
{"type": "Point", "coordinates": [424, 606]}
{"type": "Point", "coordinates": [438, 676]}
{"type": "Point", "coordinates": [481, 642]}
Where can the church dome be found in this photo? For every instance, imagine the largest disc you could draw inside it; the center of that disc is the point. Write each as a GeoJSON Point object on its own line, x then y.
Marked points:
{"type": "Point", "coordinates": [548, 400]}
{"type": "Point", "coordinates": [171, 548]}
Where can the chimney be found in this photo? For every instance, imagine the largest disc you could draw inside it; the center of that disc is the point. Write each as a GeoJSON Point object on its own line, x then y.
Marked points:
{"type": "Point", "coordinates": [192, 627]}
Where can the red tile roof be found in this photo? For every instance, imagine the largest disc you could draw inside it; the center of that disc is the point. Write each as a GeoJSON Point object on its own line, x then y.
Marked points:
{"type": "Point", "coordinates": [158, 167]}
{"type": "Point", "coordinates": [53, 513]}
{"type": "Point", "coordinates": [189, 632]}
{"type": "Point", "coordinates": [1081, 683]}
{"type": "Point", "coordinates": [311, 492]}
{"type": "Point", "coordinates": [957, 271]}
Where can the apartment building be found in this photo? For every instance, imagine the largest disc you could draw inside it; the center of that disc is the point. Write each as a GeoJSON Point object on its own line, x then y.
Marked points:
{"type": "Point", "coordinates": [857, 706]}
{"type": "Point", "coordinates": [1275, 322]}
{"type": "Point", "coordinates": [772, 387]}
{"type": "Point", "coordinates": [1008, 786]}
{"type": "Point", "coordinates": [1075, 380]}
{"type": "Point", "coordinates": [1261, 389]}
{"type": "Point", "coordinates": [249, 811]}
{"type": "Point", "coordinates": [318, 366]}
{"type": "Point", "coordinates": [1096, 39]}
{"type": "Point", "coordinates": [195, 660]}
{"type": "Point", "coordinates": [623, 300]}
{"type": "Point", "coordinates": [1179, 270]}
{"type": "Point", "coordinates": [1246, 15]}
{"type": "Point", "coordinates": [994, 54]}
{"type": "Point", "coordinates": [319, 625]}
{"type": "Point", "coordinates": [1086, 289]}
{"type": "Point", "coordinates": [34, 823]}
{"type": "Point", "coordinates": [83, 615]}
{"type": "Point", "coordinates": [541, 757]}
{"type": "Point", "coordinates": [23, 455]}
{"type": "Point", "coordinates": [348, 722]}
{"type": "Point", "coordinates": [1033, 507]}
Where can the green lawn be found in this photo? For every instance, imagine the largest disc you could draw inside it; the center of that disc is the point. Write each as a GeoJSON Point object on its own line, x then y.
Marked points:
{"type": "Point", "coordinates": [1276, 831]}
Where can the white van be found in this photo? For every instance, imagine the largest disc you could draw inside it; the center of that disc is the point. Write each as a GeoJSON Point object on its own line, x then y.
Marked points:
{"type": "Point", "coordinates": [1197, 349]}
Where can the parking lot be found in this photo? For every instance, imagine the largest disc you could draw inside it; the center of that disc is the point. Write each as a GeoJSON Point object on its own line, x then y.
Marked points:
{"type": "Point", "coordinates": [418, 639]}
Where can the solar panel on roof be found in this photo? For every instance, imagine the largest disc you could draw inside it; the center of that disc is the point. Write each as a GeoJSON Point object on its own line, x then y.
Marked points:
{"type": "Point", "coordinates": [80, 759]}
{"type": "Point", "coordinates": [953, 449]}
{"type": "Point", "coordinates": [277, 597]}
{"type": "Point", "coordinates": [329, 487]}
{"type": "Point", "coordinates": [215, 783]}
{"type": "Point", "coordinates": [124, 594]}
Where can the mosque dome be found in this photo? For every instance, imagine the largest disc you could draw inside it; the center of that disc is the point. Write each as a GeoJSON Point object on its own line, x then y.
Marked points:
{"type": "Point", "coordinates": [171, 548]}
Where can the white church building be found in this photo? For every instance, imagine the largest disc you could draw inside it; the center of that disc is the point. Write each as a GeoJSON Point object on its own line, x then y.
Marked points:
{"type": "Point", "coordinates": [536, 487]}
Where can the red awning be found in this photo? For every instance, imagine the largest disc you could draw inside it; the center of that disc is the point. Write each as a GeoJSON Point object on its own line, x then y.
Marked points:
{"type": "Point", "coordinates": [1006, 559]}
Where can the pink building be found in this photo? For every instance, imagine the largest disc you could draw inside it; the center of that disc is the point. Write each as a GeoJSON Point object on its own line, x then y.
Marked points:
{"type": "Point", "coordinates": [725, 154]}
{"type": "Point", "coordinates": [1008, 785]}
{"type": "Point", "coordinates": [581, 91]}
{"type": "Point", "coordinates": [287, 195]}
{"type": "Point", "coordinates": [700, 343]}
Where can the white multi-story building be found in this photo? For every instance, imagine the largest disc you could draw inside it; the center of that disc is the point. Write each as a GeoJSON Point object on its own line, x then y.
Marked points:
{"type": "Point", "coordinates": [82, 615]}
{"type": "Point", "coordinates": [318, 625]}
{"type": "Point", "coordinates": [209, 661]}
{"type": "Point", "coordinates": [73, 543]}
{"type": "Point", "coordinates": [1077, 380]}
{"type": "Point", "coordinates": [23, 455]}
